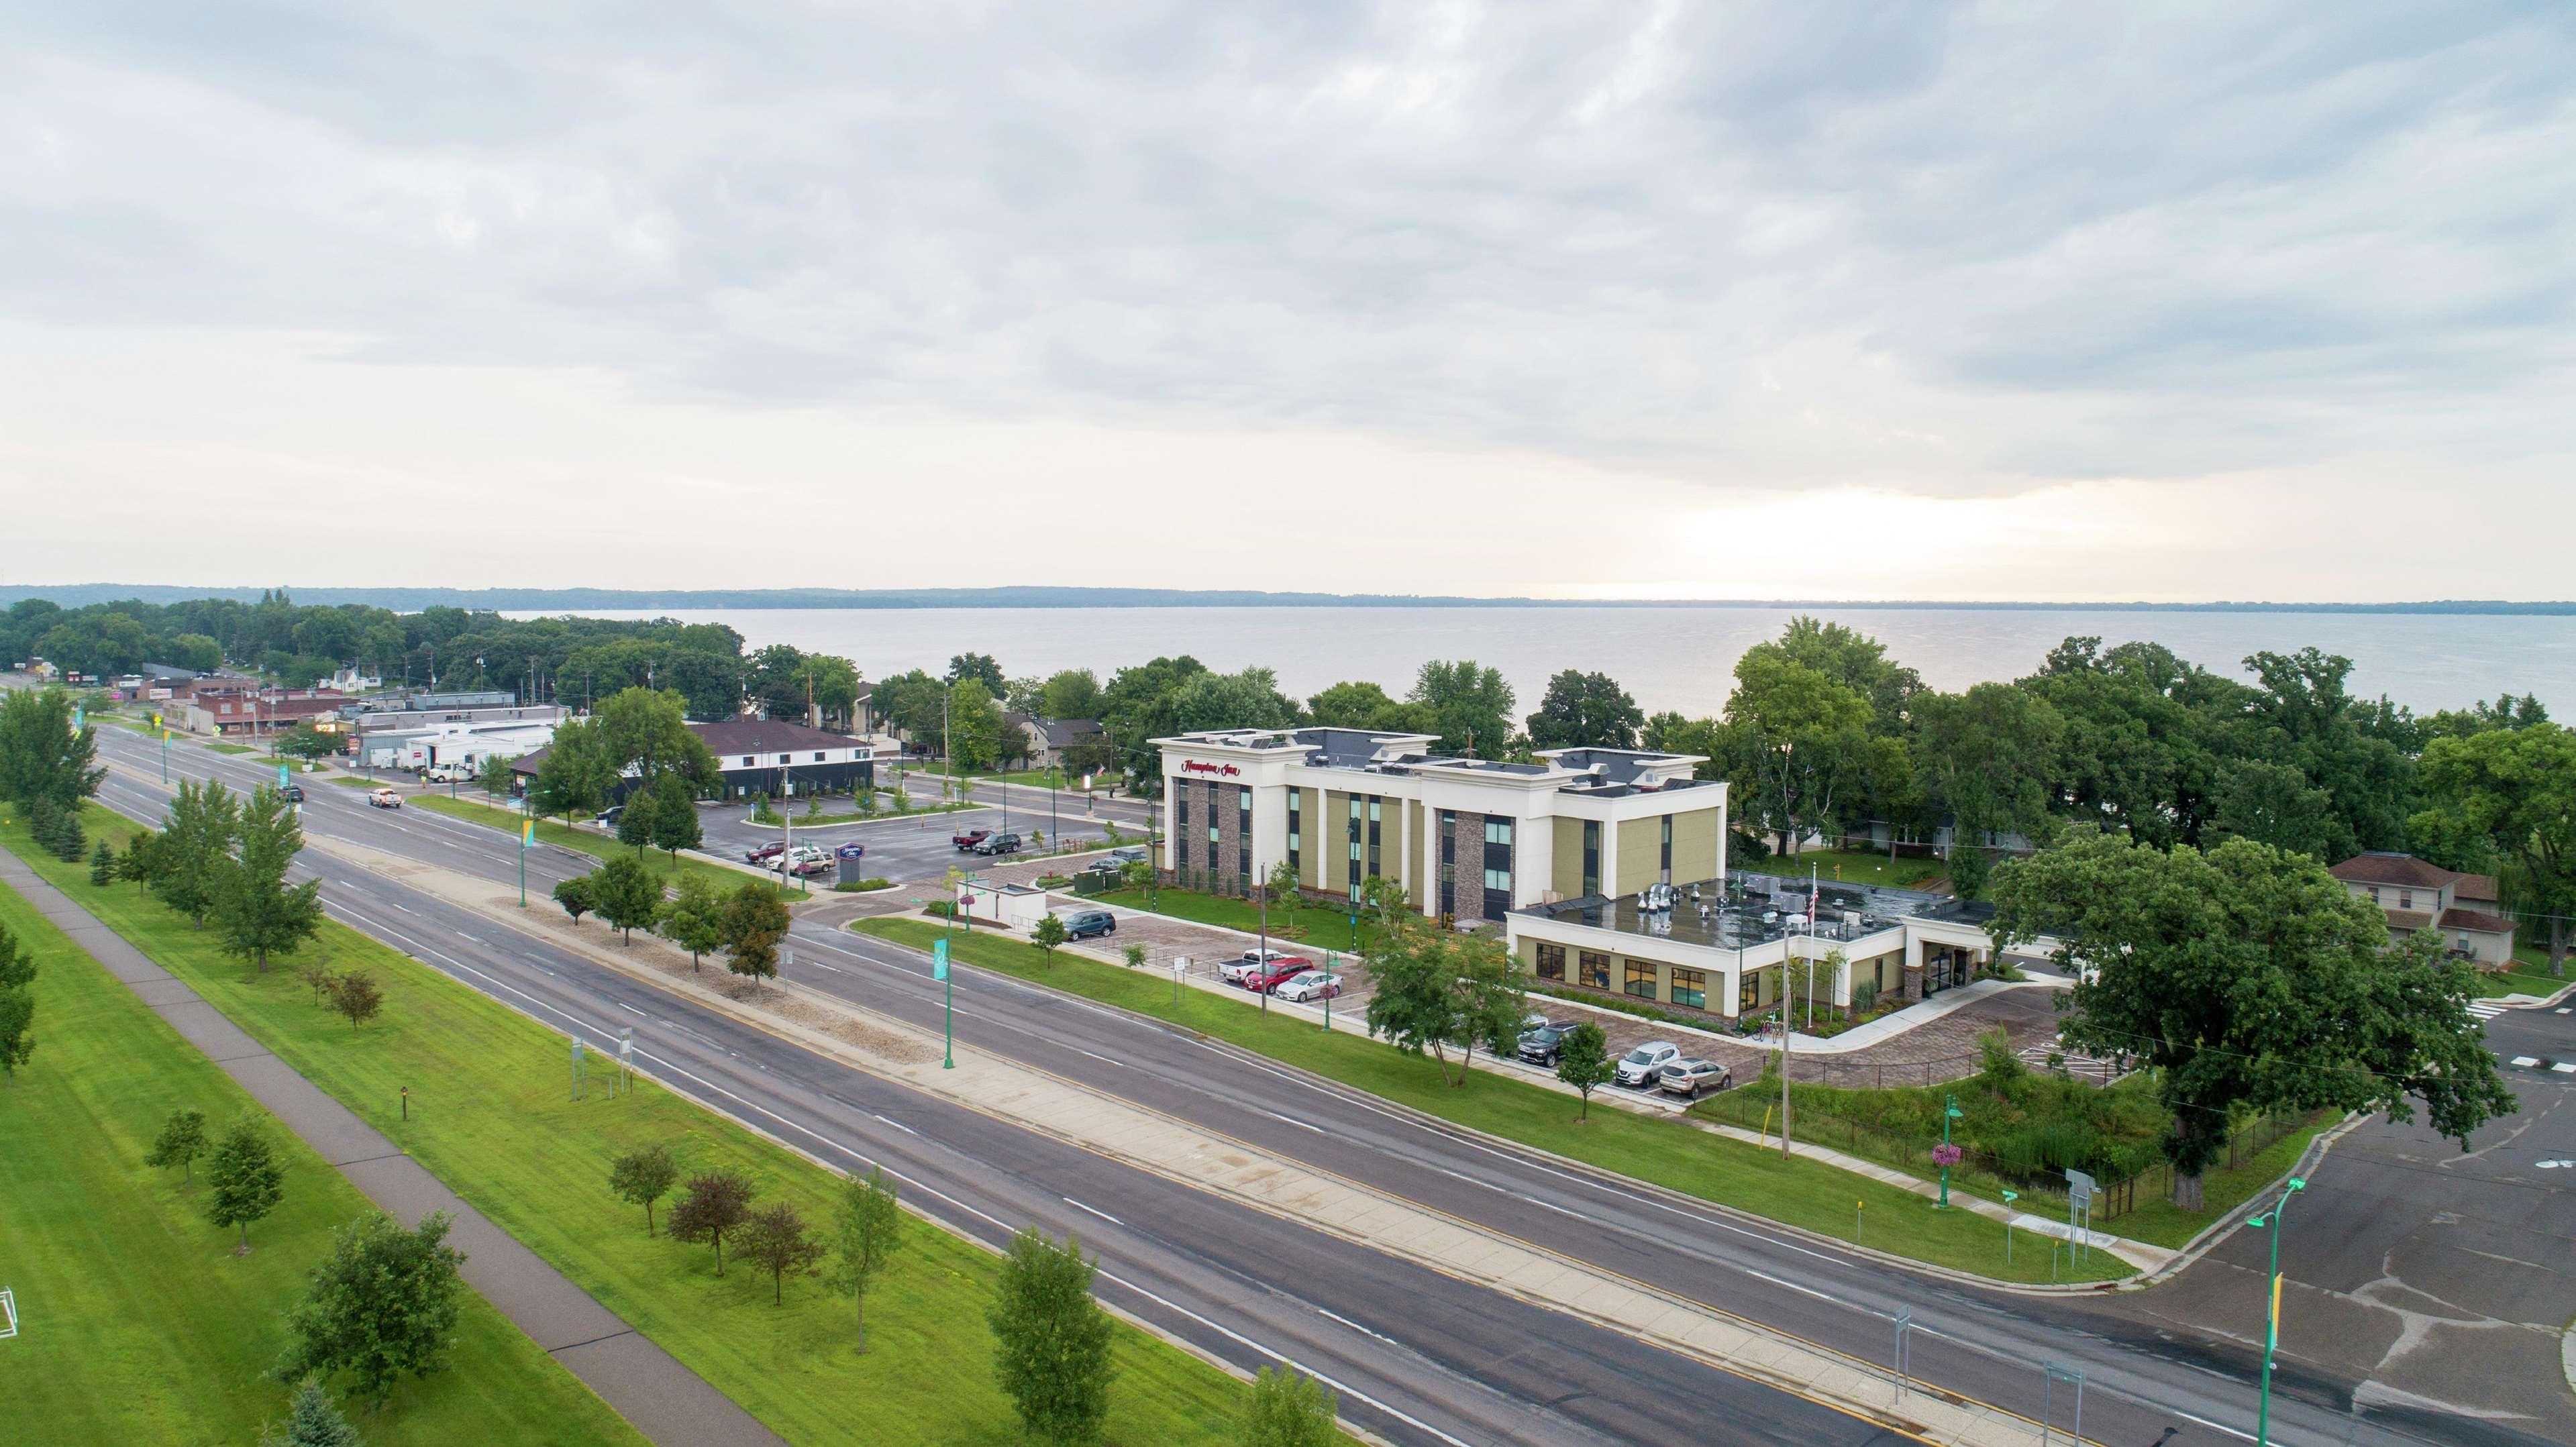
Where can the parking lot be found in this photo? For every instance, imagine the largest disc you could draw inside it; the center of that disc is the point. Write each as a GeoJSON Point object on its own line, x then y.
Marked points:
{"type": "Point", "coordinates": [900, 847]}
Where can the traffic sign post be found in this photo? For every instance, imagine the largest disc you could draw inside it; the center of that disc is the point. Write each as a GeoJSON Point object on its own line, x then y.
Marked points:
{"type": "Point", "coordinates": [948, 1004]}
{"type": "Point", "coordinates": [578, 1071]}
{"type": "Point", "coordinates": [2079, 1215]}
{"type": "Point", "coordinates": [2009, 1198]}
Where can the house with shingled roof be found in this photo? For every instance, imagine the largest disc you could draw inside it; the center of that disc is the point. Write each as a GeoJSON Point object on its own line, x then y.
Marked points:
{"type": "Point", "coordinates": [2462, 908]}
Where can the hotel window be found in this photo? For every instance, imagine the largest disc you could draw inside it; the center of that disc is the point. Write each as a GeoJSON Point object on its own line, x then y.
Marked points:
{"type": "Point", "coordinates": [1593, 968]}
{"type": "Point", "coordinates": [1748, 992]}
{"type": "Point", "coordinates": [1375, 807]}
{"type": "Point", "coordinates": [1690, 987]}
{"type": "Point", "coordinates": [1668, 849]}
{"type": "Point", "coordinates": [1551, 962]}
{"type": "Point", "coordinates": [1243, 835]}
{"type": "Point", "coordinates": [1591, 857]}
{"type": "Point", "coordinates": [1640, 980]}
{"type": "Point", "coordinates": [1498, 879]}
{"type": "Point", "coordinates": [1297, 830]}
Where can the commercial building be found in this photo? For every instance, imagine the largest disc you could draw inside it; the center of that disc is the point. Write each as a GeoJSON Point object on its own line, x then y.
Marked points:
{"type": "Point", "coordinates": [2462, 908]}
{"type": "Point", "coordinates": [1468, 839]}
{"type": "Point", "coordinates": [769, 756]}
{"type": "Point", "coordinates": [223, 712]}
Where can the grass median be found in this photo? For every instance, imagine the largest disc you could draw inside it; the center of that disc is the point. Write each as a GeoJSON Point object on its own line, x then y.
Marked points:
{"type": "Point", "coordinates": [1311, 926]}
{"type": "Point", "coordinates": [141, 1325]}
{"type": "Point", "coordinates": [1800, 1192]}
{"type": "Point", "coordinates": [597, 846]}
{"type": "Point", "coordinates": [491, 1116]}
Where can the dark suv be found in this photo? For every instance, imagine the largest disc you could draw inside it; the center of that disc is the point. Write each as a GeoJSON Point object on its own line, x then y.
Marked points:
{"type": "Point", "coordinates": [1543, 1045]}
{"type": "Point", "coordinates": [998, 844]}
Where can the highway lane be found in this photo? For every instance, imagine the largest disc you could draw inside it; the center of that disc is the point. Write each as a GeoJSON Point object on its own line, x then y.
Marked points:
{"type": "Point", "coordinates": [1419, 1356]}
{"type": "Point", "coordinates": [2142, 1379]}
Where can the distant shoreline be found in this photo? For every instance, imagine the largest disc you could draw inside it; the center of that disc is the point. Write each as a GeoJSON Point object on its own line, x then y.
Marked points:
{"type": "Point", "coordinates": [572, 600]}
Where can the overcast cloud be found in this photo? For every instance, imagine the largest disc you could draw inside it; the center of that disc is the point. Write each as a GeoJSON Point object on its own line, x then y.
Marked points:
{"type": "Point", "coordinates": [1719, 301]}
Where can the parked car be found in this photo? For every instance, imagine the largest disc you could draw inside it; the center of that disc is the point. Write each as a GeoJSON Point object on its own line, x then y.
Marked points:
{"type": "Point", "coordinates": [450, 774]}
{"type": "Point", "coordinates": [968, 838]}
{"type": "Point", "coordinates": [610, 815]}
{"type": "Point", "coordinates": [1688, 1078]}
{"type": "Point", "coordinates": [1310, 985]}
{"type": "Point", "coordinates": [809, 867]}
{"type": "Point", "coordinates": [1081, 924]}
{"type": "Point", "coordinates": [1637, 1068]}
{"type": "Point", "coordinates": [384, 799]}
{"type": "Point", "coordinates": [997, 844]}
{"type": "Point", "coordinates": [1278, 972]}
{"type": "Point", "coordinates": [1105, 868]}
{"type": "Point", "coordinates": [1124, 855]}
{"type": "Point", "coordinates": [295, 793]}
{"type": "Point", "coordinates": [851, 851]}
{"type": "Point", "coordinates": [1543, 1045]}
{"type": "Point", "coordinates": [760, 853]}
{"type": "Point", "coordinates": [1250, 963]}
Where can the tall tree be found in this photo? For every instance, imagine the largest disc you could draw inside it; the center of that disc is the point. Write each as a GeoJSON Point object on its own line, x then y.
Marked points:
{"type": "Point", "coordinates": [182, 1140]}
{"type": "Point", "coordinates": [641, 1177]}
{"type": "Point", "coordinates": [244, 1181]}
{"type": "Point", "coordinates": [1583, 1061]}
{"type": "Point", "coordinates": [974, 726]}
{"type": "Point", "coordinates": [627, 894]}
{"type": "Point", "coordinates": [868, 1229]}
{"type": "Point", "coordinates": [41, 755]}
{"type": "Point", "coordinates": [577, 896]}
{"type": "Point", "coordinates": [196, 846]}
{"type": "Point", "coordinates": [697, 918]}
{"type": "Point", "coordinates": [382, 1306]}
{"type": "Point", "coordinates": [17, 1029]}
{"type": "Point", "coordinates": [646, 730]}
{"type": "Point", "coordinates": [257, 914]}
{"type": "Point", "coordinates": [635, 821]}
{"type": "Point", "coordinates": [981, 668]}
{"type": "Point", "coordinates": [1287, 1408]}
{"type": "Point", "coordinates": [715, 1204]}
{"type": "Point", "coordinates": [1472, 703]}
{"type": "Point", "coordinates": [1353, 704]}
{"type": "Point", "coordinates": [1805, 738]}
{"type": "Point", "coordinates": [2510, 795]}
{"type": "Point", "coordinates": [674, 813]}
{"type": "Point", "coordinates": [2250, 979]}
{"type": "Point", "coordinates": [1985, 758]}
{"type": "Point", "coordinates": [578, 771]}
{"type": "Point", "coordinates": [1052, 1340]}
{"type": "Point", "coordinates": [1071, 693]}
{"type": "Point", "coordinates": [1414, 999]}
{"type": "Point", "coordinates": [1585, 711]}
{"type": "Point", "coordinates": [777, 1240]}
{"type": "Point", "coordinates": [755, 921]}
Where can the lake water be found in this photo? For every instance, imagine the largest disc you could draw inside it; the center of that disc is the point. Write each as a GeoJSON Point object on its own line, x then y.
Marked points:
{"type": "Point", "coordinates": [1677, 658]}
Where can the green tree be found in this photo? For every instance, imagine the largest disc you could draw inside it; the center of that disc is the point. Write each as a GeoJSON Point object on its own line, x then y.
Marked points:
{"type": "Point", "coordinates": [1802, 739]}
{"type": "Point", "coordinates": [577, 895]}
{"type": "Point", "coordinates": [311, 1421]}
{"type": "Point", "coordinates": [244, 1181]}
{"type": "Point", "coordinates": [357, 997]}
{"type": "Point", "coordinates": [2510, 795]}
{"type": "Point", "coordinates": [645, 731]}
{"type": "Point", "coordinates": [1052, 1340]}
{"type": "Point", "coordinates": [714, 1206]}
{"type": "Point", "coordinates": [1583, 1061]}
{"type": "Point", "coordinates": [635, 821]}
{"type": "Point", "coordinates": [1471, 702]}
{"type": "Point", "coordinates": [494, 776]}
{"type": "Point", "coordinates": [1585, 711]}
{"type": "Point", "coordinates": [627, 894]}
{"type": "Point", "coordinates": [17, 1030]}
{"type": "Point", "coordinates": [1071, 693]}
{"type": "Point", "coordinates": [1415, 1001]}
{"type": "Point", "coordinates": [576, 773]}
{"type": "Point", "coordinates": [777, 1240]}
{"type": "Point", "coordinates": [1352, 704]}
{"type": "Point", "coordinates": [2250, 979]}
{"type": "Point", "coordinates": [974, 726]}
{"type": "Point", "coordinates": [1284, 891]}
{"type": "Point", "coordinates": [1287, 1408]}
{"type": "Point", "coordinates": [1493, 996]}
{"type": "Point", "coordinates": [41, 756]}
{"type": "Point", "coordinates": [193, 651]}
{"type": "Point", "coordinates": [382, 1306]}
{"type": "Point", "coordinates": [981, 668]}
{"type": "Point", "coordinates": [1986, 758]}
{"type": "Point", "coordinates": [641, 1177]}
{"type": "Point", "coordinates": [196, 846]}
{"type": "Point", "coordinates": [755, 921]}
{"type": "Point", "coordinates": [674, 813]}
{"type": "Point", "coordinates": [868, 1231]}
{"type": "Point", "coordinates": [102, 865]}
{"type": "Point", "coordinates": [182, 1140]}
{"type": "Point", "coordinates": [1046, 935]}
{"type": "Point", "coordinates": [139, 865]}
{"type": "Point", "coordinates": [256, 913]}
{"type": "Point", "coordinates": [696, 920]}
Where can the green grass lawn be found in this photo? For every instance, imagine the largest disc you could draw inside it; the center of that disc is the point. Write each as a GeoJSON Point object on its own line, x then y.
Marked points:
{"type": "Point", "coordinates": [232, 748]}
{"type": "Point", "coordinates": [490, 1115]}
{"type": "Point", "coordinates": [2160, 1222]}
{"type": "Point", "coordinates": [1850, 866]}
{"type": "Point", "coordinates": [597, 846]}
{"type": "Point", "coordinates": [350, 781]}
{"type": "Point", "coordinates": [1318, 926]}
{"type": "Point", "coordinates": [140, 1324]}
{"type": "Point", "coordinates": [1801, 1192]}
{"type": "Point", "coordinates": [2528, 976]}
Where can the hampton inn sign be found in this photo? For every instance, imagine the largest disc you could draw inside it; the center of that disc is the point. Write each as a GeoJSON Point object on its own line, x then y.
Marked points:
{"type": "Point", "coordinates": [1193, 766]}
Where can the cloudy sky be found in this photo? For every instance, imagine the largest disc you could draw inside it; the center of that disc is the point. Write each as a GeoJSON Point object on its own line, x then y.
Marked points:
{"type": "Point", "coordinates": [1808, 300]}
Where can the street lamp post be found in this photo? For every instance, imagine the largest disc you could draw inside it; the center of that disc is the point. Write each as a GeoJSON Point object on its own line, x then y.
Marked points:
{"type": "Point", "coordinates": [2272, 1326]}
{"type": "Point", "coordinates": [1949, 1112]}
{"type": "Point", "coordinates": [1264, 893]}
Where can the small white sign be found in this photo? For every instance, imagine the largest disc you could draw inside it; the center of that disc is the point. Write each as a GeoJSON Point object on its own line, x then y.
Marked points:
{"type": "Point", "coordinates": [8, 1314]}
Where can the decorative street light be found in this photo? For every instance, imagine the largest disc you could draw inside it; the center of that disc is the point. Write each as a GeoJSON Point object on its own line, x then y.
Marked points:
{"type": "Point", "coordinates": [2272, 1327]}
{"type": "Point", "coordinates": [1948, 1155]}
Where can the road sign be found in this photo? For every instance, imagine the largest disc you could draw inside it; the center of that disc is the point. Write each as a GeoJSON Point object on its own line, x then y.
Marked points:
{"type": "Point", "coordinates": [2079, 1190]}
{"type": "Point", "coordinates": [281, 773]}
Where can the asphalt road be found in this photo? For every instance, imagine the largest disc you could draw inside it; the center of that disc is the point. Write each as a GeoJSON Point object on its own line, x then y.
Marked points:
{"type": "Point", "coordinates": [1418, 1356]}
{"type": "Point", "coordinates": [901, 848]}
{"type": "Point", "coordinates": [2153, 1374]}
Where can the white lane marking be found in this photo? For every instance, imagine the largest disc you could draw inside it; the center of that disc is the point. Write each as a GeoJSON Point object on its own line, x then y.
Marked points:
{"type": "Point", "coordinates": [1355, 1326]}
{"type": "Point", "coordinates": [1094, 1210]}
{"type": "Point", "coordinates": [462, 935]}
{"type": "Point", "coordinates": [2213, 1426]}
{"type": "Point", "coordinates": [1287, 1119]}
{"type": "Point", "coordinates": [898, 1125]}
{"type": "Point", "coordinates": [1793, 1286]}
{"type": "Point", "coordinates": [2526, 1060]}
{"type": "Point", "coordinates": [1103, 1059]}
{"type": "Point", "coordinates": [622, 1005]}
{"type": "Point", "coordinates": [835, 969]}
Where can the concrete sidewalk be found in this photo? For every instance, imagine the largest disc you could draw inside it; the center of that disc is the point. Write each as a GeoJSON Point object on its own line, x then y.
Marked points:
{"type": "Point", "coordinates": [660, 1398]}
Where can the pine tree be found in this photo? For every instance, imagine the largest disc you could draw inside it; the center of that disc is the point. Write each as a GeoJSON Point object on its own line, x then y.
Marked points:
{"type": "Point", "coordinates": [102, 864]}
{"type": "Point", "coordinates": [312, 1421]}
{"type": "Point", "coordinates": [256, 913]}
{"type": "Point", "coordinates": [196, 846]}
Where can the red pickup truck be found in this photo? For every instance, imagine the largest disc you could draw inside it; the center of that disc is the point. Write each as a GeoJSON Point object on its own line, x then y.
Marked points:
{"type": "Point", "coordinates": [969, 839]}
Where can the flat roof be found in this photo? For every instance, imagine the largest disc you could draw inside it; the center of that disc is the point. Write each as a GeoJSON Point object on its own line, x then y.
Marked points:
{"type": "Point", "coordinates": [1748, 909]}
{"type": "Point", "coordinates": [1604, 772]}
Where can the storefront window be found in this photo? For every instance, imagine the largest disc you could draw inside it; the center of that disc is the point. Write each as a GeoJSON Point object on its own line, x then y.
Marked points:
{"type": "Point", "coordinates": [1690, 987]}
{"type": "Point", "coordinates": [1551, 962]}
{"type": "Point", "coordinates": [1596, 969]}
{"type": "Point", "coordinates": [1641, 979]}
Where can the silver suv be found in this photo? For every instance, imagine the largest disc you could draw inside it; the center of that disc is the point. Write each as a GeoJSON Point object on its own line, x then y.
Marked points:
{"type": "Point", "coordinates": [1637, 1068]}
{"type": "Point", "coordinates": [1687, 1078]}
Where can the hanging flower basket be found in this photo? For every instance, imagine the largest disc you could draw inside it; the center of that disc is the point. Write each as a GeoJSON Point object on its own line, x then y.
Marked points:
{"type": "Point", "coordinates": [1946, 1155]}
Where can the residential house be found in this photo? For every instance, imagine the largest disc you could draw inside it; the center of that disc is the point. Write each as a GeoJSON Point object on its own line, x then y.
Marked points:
{"type": "Point", "coordinates": [1048, 739]}
{"type": "Point", "coordinates": [2415, 895]}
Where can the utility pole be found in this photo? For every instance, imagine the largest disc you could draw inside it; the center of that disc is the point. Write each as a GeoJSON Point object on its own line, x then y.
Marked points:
{"type": "Point", "coordinates": [1784, 1057]}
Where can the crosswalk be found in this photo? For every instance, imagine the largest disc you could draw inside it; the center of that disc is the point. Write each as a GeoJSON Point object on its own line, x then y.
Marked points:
{"type": "Point", "coordinates": [2487, 1009]}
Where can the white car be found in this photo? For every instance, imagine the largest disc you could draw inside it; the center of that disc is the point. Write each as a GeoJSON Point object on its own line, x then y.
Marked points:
{"type": "Point", "coordinates": [1249, 964]}
{"type": "Point", "coordinates": [1639, 1067]}
{"type": "Point", "coordinates": [1312, 985]}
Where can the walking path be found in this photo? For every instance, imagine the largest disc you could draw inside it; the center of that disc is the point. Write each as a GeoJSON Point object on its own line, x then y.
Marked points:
{"type": "Point", "coordinates": [662, 1399]}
